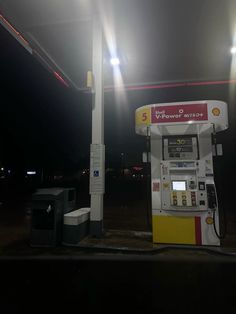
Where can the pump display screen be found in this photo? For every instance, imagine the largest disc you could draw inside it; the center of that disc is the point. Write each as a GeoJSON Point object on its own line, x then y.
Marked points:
{"type": "Point", "coordinates": [176, 149]}
{"type": "Point", "coordinates": [182, 141]}
{"type": "Point", "coordinates": [180, 147]}
{"type": "Point", "coordinates": [180, 144]}
{"type": "Point", "coordinates": [179, 185]}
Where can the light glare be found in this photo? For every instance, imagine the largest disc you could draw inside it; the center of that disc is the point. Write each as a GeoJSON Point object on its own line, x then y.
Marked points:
{"type": "Point", "coordinates": [233, 50]}
{"type": "Point", "coordinates": [31, 172]}
{"type": "Point", "coordinates": [114, 61]}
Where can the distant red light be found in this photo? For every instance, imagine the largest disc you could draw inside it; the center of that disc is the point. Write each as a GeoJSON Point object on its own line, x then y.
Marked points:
{"type": "Point", "coordinates": [137, 168]}
{"type": "Point", "coordinates": [60, 79]}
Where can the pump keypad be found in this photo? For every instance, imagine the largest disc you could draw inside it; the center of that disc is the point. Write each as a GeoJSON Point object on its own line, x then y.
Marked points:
{"type": "Point", "coordinates": [183, 198]}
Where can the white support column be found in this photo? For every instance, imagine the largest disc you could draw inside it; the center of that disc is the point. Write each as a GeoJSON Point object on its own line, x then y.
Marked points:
{"type": "Point", "coordinates": [97, 150]}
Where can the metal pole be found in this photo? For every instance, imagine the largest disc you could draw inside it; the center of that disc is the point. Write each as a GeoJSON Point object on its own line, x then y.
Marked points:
{"type": "Point", "coordinates": [97, 149]}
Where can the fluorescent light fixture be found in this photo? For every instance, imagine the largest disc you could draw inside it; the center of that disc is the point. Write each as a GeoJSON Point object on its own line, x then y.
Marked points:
{"type": "Point", "coordinates": [233, 50]}
{"type": "Point", "coordinates": [2, 169]}
{"type": "Point", "coordinates": [114, 61]}
{"type": "Point", "coordinates": [31, 172]}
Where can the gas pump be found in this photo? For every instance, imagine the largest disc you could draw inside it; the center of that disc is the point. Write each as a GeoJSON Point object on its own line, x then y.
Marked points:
{"type": "Point", "coordinates": [184, 200]}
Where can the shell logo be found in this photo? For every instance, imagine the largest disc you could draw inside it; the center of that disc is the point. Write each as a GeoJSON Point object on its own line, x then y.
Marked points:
{"type": "Point", "coordinates": [209, 220]}
{"type": "Point", "coordinates": [216, 111]}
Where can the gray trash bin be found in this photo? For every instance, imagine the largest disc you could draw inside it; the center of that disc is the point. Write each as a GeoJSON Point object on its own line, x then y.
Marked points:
{"type": "Point", "coordinates": [48, 208]}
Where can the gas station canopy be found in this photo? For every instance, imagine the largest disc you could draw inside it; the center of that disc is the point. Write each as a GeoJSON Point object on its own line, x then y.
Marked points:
{"type": "Point", "coordinates": [56, 32]}
{"type": "Point", "coordinates": [156, 41]}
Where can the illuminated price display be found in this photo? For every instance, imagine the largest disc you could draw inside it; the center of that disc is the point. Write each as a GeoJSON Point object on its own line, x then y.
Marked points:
{"type": "Point", "coordinates": [180, 141]}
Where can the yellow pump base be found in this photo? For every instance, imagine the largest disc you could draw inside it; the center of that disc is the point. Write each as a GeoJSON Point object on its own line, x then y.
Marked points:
{"type": "Point", "coordinates": [176, 230]}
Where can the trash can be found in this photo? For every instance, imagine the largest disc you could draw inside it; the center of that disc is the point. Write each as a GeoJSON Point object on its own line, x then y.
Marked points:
{"type": "Point", "coordinates": [48, 208]}
{"type": "Point", "coordinates": [76, 226]}
{"type": "Point", "coordinates": [70, 199]}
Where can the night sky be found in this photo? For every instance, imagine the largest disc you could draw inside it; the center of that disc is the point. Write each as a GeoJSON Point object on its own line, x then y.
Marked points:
{"type": "Point", "coordinates": [43, 123]}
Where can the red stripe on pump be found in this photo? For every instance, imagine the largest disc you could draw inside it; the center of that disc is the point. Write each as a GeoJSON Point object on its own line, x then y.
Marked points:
{"type": "Point", "coordinates": [198, 231]}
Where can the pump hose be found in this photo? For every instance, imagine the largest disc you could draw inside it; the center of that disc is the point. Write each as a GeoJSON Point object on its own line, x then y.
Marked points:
{"type": "Point", "coordinates": [219, 236]}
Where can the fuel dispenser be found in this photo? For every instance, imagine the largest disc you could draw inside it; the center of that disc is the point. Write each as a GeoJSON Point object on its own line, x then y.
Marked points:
{"type": "Point", "coordinates": [184, 199]}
